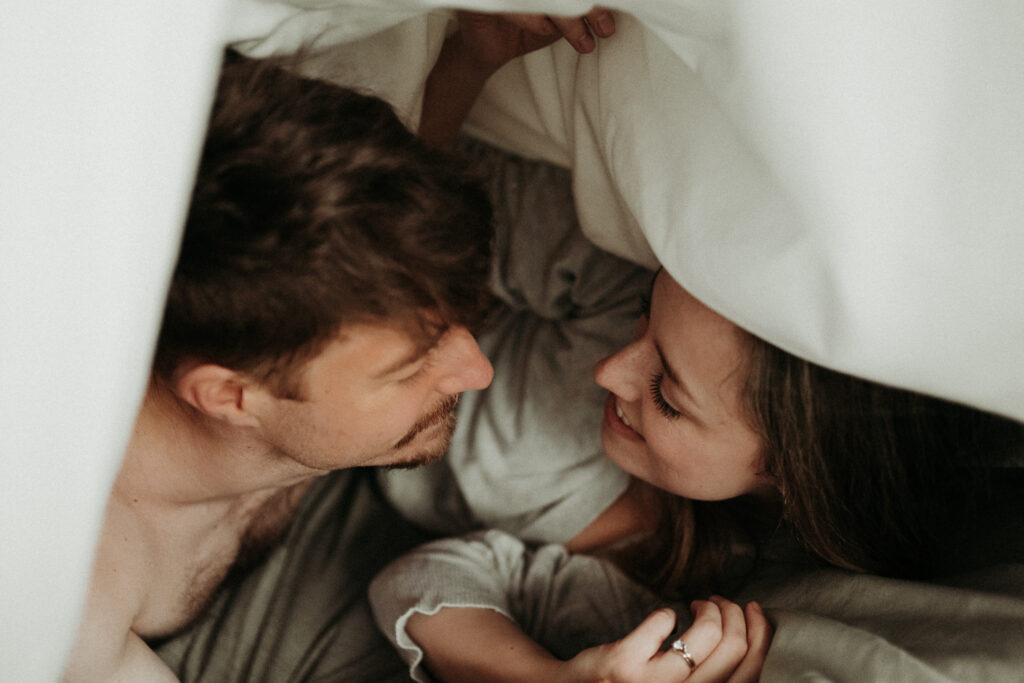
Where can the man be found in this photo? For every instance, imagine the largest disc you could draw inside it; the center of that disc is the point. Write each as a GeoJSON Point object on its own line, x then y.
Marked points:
{"type": "Point", "coordinates": [317, 320]}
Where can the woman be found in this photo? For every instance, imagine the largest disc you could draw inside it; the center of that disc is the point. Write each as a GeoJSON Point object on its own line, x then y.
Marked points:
{"type": "Point", "coordinates": [738, 440]}
{"type": "Point", "coordinates": [868, 478]}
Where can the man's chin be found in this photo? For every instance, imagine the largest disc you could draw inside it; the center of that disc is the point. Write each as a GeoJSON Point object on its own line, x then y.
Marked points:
{"type": "Point", "coordinates": [428, 442]}
{"type": "Point", "coordinates": [427, 454]}
{"type": "Point", "coordinates": [421, 460]}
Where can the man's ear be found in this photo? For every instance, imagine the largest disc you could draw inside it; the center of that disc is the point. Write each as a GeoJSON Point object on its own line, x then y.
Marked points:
{"type": "Point", "coordinates": [218, 392]}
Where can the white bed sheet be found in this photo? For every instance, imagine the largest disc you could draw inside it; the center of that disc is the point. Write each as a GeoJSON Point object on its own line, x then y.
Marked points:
{"type": "Point", "coordinates": [842, 179]}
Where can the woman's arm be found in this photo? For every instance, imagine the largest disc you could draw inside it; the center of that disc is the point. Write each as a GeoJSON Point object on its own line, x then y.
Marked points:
{"type": "Point", "coordinates": [464, 609]}
{"type": "Point", "coordinates": [474, 644]}
{"type": "Point", "coordinates": [484, 43]}
{"type": "Point", "coordinates": [479, 644]}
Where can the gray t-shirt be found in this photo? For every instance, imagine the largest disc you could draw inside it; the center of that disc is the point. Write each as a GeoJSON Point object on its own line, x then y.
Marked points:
{"type": "Point", "coordinates": [526, 456]}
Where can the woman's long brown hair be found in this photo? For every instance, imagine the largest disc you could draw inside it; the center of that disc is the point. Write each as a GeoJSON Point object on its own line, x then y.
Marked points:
{"type": "Point", "coordinates": [872, 478]}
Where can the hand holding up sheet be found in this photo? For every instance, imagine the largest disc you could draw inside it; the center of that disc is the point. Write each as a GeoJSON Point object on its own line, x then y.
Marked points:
{"type": "Point", "coordinates": [482, 44]}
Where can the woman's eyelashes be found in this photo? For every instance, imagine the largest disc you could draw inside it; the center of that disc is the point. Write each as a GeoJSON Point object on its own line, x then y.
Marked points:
{"type": "Point", "coordinates": [663, 406]}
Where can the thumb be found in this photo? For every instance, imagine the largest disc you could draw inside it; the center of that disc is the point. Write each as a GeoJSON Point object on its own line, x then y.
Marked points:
{"type": "Point", "coordinates": [646, 639]}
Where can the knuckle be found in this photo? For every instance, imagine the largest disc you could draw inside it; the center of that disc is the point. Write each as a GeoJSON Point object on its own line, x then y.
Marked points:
{"type": "Point", "coordinates": [573, 29]}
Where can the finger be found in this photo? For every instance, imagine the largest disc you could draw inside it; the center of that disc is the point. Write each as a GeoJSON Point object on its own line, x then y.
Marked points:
{"type": "Point", "coordinates": [576, 31]}
{"type": "Point", "coordinates": [646, 639]}
{"type": "Point", "coordinates": [731, 647]}
{"type": "Point", "coordinates": [601, 22]}
{"type": "Point", "coordinates": [535, 23]}
{"type": "Point", "coordinates": [759, 637]}
{"type": "Point", "coordinates": [700, 639]}
{"type": "Point", "coordinates": [706, 630]}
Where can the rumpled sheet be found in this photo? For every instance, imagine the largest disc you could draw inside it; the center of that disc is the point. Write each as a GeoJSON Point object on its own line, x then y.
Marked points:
{"type": "Point", "coordinates": [830, 625]}
{"type": "Point", "coordinates": [892, 130]}
{"type": "Point", "coordinates": [842, 179]}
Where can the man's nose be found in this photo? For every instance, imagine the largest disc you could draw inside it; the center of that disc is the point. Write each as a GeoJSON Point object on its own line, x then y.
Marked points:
{"type": "Point", "coordinates": [466, 367]}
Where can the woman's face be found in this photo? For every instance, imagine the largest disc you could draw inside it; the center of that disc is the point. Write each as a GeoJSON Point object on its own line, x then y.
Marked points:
{"type": "Point", "coordinates": [674, 416]}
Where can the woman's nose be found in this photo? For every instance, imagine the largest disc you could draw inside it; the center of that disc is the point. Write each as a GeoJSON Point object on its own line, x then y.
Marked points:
{"type": "Point", "coordinates": [623, 372]}
{"type": "Point", "coordinates": [465, 366]}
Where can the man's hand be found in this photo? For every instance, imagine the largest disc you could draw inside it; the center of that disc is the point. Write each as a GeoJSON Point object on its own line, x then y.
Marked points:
{"type": "Point", "coordinates": [725, 643]}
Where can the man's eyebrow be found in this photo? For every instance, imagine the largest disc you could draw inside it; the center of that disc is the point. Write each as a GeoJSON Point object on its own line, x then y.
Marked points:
{"type": "Point", "coordinates": [671, 374]}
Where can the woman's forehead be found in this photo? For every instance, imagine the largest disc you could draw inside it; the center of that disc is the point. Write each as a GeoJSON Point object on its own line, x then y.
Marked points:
{"type": "Point", "coordinates": [702, 348]}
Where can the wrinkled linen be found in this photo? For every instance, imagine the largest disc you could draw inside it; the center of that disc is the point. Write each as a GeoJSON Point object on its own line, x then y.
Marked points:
{"type": "Point", "coordinates": [830, 625]}
{"type": "Point", "coordinates": [843, 180]}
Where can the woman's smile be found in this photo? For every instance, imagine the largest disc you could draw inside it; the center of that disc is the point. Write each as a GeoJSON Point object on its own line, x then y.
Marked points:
{"type": "Point", "coordinates": [616, 420]}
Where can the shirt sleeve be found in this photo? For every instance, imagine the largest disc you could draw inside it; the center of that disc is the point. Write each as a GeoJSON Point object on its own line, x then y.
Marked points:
{"type": "Point", "coordinates": [565, 602]}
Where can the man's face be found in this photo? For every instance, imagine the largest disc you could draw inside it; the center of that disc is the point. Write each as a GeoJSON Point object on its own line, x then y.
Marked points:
{"type": "Point", "coordinates": [375, 396]}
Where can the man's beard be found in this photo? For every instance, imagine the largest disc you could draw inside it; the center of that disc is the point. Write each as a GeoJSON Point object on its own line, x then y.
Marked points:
{"type": "Point", "coordinates": [441, 418]}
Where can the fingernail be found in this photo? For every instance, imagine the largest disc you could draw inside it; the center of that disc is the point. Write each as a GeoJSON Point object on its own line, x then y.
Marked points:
{"type": "Point", "coordinates": [604, 25]}
{"type": "Point", "coordinates": [585, 43]}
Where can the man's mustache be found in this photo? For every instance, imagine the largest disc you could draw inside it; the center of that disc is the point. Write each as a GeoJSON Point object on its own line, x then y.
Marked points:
{"type": "Point", "coordinates": [436, 416]}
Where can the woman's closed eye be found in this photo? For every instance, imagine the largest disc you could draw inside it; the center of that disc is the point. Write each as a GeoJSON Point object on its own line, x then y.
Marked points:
{"type": "Point", "coordinates": [663, 406]}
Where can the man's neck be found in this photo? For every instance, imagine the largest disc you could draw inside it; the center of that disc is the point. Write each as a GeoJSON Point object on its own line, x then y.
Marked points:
{"type": "Point", "coordinates": [188, 492]}
{"type": "Point", "coordinates": [178, 457]}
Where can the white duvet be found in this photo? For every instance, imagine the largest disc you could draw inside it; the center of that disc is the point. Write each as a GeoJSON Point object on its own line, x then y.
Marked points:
{"type": "Point", "coordinates": [845, 179]}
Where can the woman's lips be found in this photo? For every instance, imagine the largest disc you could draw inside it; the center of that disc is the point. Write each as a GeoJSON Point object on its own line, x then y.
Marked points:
{"type": "Point", "coordinates": [621, 416]}
{"type": "Point", "coordinates": [617, 421]}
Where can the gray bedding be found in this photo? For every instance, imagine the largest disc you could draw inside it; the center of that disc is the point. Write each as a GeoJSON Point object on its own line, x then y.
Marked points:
{"type": "Point", "coordinates": [304, 615]}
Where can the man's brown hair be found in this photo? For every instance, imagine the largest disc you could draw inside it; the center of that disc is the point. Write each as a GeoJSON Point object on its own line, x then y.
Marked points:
{"type": "Point", "coordinates": [314, 208]}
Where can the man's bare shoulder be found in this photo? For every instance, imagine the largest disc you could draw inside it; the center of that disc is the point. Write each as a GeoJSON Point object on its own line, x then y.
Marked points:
{"type": "Point", "coordinates": [113, 655]}
{"type": "Point", "coordinates": [106, 648]}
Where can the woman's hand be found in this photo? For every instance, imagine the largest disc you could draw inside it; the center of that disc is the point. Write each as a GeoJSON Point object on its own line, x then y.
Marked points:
{"type": "Point", "coordinates": [725, 643]}
{"type": "Point", "coordinates": [492, 40]}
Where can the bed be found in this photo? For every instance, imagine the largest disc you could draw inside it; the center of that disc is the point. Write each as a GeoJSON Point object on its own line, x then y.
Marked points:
{"type": "Point", "coordinates": [856, 165]}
